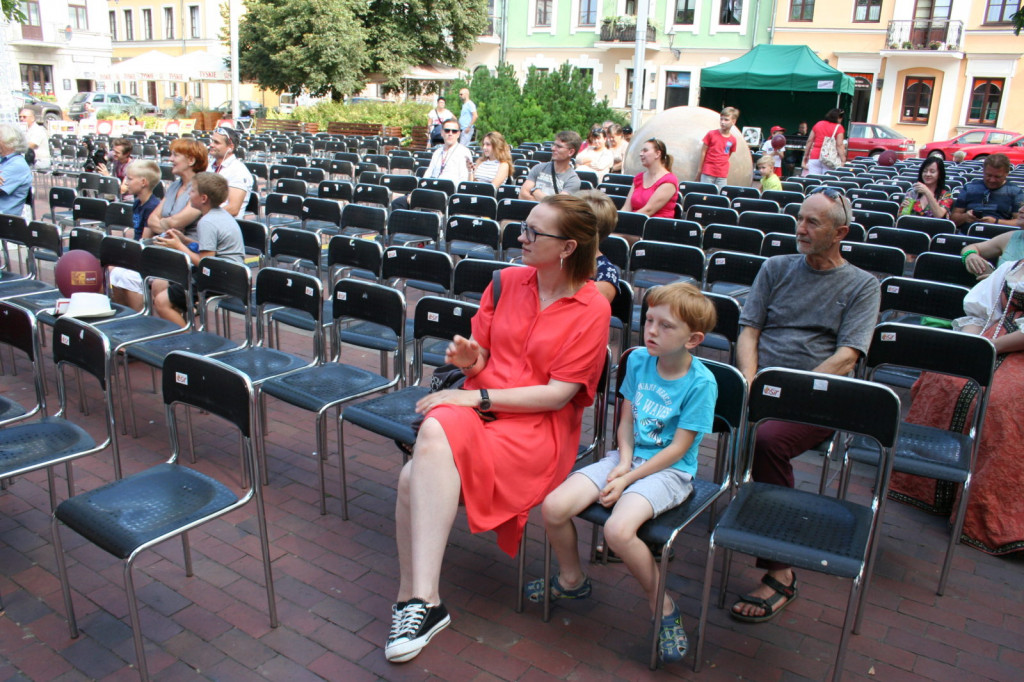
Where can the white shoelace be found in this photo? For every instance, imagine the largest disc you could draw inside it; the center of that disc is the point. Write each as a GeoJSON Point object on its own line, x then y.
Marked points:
{"type": "Point", "coordinates": [412, 619]}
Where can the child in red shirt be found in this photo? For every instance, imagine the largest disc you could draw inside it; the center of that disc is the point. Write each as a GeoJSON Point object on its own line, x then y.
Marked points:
{"type": "Point", "coordinates": [718, 147]}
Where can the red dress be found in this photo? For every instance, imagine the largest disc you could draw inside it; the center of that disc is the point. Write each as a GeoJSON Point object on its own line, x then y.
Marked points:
{"type": "Point", "coordinates": [509, 465]}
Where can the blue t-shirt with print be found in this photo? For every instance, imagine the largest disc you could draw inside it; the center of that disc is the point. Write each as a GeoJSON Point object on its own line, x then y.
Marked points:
{"type": "Point", "coordinates": [661, 406]}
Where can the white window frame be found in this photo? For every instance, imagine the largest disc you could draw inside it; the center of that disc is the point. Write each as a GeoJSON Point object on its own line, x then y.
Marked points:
{"type": "Point", "coordinates": [129, 24]}
{"type": "Point", "coordinates": [574, 26]}
{"type": "Point", "coordinates": [152, 29]}
{"type": "Point", "coordinates": [112, 20]}
{"type": "Point", "coordinates": [195, 32]}
{"type": "Point", "coordinates": [532, 28]}
{"type": "Point", "coordinates": [670, 17]}
{"type": "Point", "coordinates": [164, 24]}
{"type": "Point", "coordinates": [717, 27]}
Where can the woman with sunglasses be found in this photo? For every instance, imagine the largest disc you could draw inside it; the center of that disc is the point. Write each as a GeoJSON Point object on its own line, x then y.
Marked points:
{"type": "Point", "coordinates": [656, 190]}
{"type": "Point", "coordinates": [495, 162]}
{"type": "Point", "coordinates": [929, 196]}
{"type": "Point", "coordinates": [510, 435]}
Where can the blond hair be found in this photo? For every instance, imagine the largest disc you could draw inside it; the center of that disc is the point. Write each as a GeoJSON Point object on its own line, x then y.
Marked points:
{"type": "Point", "coordinates": [731, 112]}
{"type": "Point", "coordinates": [147, 170]}
{"type": "Point", "coordinates": [687, 303]}
{"type": "Point", "coordinates": [604, 210]}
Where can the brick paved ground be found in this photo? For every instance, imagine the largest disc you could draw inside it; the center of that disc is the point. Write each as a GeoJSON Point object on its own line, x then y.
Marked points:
{"type": "Point", "coordinates": [335, 582]}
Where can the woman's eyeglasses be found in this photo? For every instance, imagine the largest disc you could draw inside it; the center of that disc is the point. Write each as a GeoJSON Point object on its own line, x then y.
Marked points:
{"type": "Point", "coordinates": [532, 234]}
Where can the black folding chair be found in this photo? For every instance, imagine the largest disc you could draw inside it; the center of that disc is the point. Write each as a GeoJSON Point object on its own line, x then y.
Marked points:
{"type": "Point", "coordinates": [133, 514]}
{"type": "Point", "coordinates": [945, 455]}
{"type": "Point", "coordinates": [808, 530]}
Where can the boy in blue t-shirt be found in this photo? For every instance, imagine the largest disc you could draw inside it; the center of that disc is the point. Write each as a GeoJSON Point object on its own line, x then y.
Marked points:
{"type": "Point", "coordinates": [668, 405]}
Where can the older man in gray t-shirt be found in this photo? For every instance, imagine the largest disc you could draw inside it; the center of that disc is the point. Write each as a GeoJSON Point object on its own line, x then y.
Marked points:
{"type": "Point", "coordinates": [810, 311]}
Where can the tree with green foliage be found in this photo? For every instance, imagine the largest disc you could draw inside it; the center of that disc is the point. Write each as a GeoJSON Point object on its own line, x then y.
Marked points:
{"type": "Point", "coordinates": [332, 46]}
{"type": "Point", "coordinates": [400, 34]}
{"type": "Point", "coordinates": [11, 10]}
{"type": "Point", "coordinates": [545, 104]}
{"type": "Point", "coordinates": [287, 45]}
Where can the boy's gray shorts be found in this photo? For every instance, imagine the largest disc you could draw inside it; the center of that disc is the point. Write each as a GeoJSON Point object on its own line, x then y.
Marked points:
{"type": "Point", "coordinates": [663, 490]}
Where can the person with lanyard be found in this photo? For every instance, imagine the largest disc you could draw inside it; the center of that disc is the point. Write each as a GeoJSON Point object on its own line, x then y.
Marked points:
{"type": "Point", "coordinates": [15, 175]}
{"type": "Point", "coordinates": [451, 161]}
{"type": "Point", "coordinates": [223, 142]}
{"type": "Point", "coordinates": [557, 175]}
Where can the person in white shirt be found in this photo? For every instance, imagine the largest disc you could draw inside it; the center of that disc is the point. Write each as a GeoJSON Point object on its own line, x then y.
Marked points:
{"type": "Point", "coordinates": [451, 161]}
{"type": "Point", "coordinates": [38, 139]}
{"type": "Point", "coordinates": [223, 160]}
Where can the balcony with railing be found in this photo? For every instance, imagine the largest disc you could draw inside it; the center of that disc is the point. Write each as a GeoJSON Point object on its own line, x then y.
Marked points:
{"type": "Point", "coordinates": [620, 31]}
{"type": "Point", "coordinates": [925, 34]}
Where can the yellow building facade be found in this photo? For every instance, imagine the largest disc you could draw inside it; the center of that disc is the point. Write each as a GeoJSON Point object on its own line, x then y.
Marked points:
{"type": "Point", "coordinates": [173, 28]}
{"type": "Point", "coordinates": [927, 68]}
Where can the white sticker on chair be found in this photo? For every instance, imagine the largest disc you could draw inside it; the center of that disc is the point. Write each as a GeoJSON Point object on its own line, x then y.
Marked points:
{"type": "Point", "coordinates": [309, 291]}
{"type": "Point", "coordinates": [458, 312]}
{"type": "Point", "coordinates": [65, 339]}
{"type": "Point", "coordinates": [342, 296]}
{"type": "Point", "coordinates": [776, 242]}
{"type": "Point", "coordinates": [892, 289]}
{"type": "Point", "coordinates": [35, 234]}
{"type": "Point", "coordinates": [275, 237]}
{"type": "Point", "coordinates": [888, 336]}
{"type": "Point", "coordinates": [698, 215]}
{"type": "Point", "coordinates": [640, 252]}
{"type": "Point", "coordinates": [472, 200]}
{"type": "Point", "coordinates": [719, 261]}
{"type": "Point", "coordinates": [206, 272]}
{"type": "Point", "coordinates": [716, 235]}
{"type": "Point", "coordinates": [940, 240]}
{"type": "Point", "coordinates": [181, 378]}
{"type": "Point", "coordinates": [820, 385]}
{"type": "Point", "coordinates": [693, 233]}
{"type": "Point", "coordinates": [772, 391]}
{"type": "Point", "coordinates": [433, 317]}
{"type": "Point", "coordinates": [392, 254]}
{"type": "Point", "coordinates": [847, 247]}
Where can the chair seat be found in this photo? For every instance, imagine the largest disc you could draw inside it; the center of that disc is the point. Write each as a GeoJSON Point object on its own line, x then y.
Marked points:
{"type": "Point", "coordinates": [645, 279]}
{"type": "Point", "coordinates": [201, 343]}
{"type": "Point", "coordinates": [923, 451]}
{"type": "Point", "coordinates": [21, 287]}
{"type": "Point", "coordinates": [37, 302]}
{"type": "Point", "coordinates": [317, 388]}
{"type": "Point", "coordinates": [148, 505]}
{"type": "Point", "coordinates": [10, 409]}
{"type": "Point", "coordinates": [299, 319]}
{"type": "Point", "coordinates": [795, 527]}
{"type": "Point", "coordinates": [391, 415]}
{"type": "Point", "coordinates": [38, 442]}
{"type": "Point", "coordinates": [659, 530]}
{"type": "Point", "coordinates": [133, 328]}
{"type": "Point", "coordinates": [457, 248]}
{"type": "Point", "coordinates": [325, 226]}
{"type": "Point", "coordinates": [375, 336]}
{"type": "Point", "coordinates": [233, 304]}
{"type": "Point", "coordinates": [259, 363]}
{"type": "Point", "coordinates": [409, 239]}
{"type": "Point", "coordinates": [737, 291]}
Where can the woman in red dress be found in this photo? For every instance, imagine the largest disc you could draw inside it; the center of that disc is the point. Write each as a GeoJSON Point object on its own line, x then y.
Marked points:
{"type": "Point", "coordinates": [510, 435]}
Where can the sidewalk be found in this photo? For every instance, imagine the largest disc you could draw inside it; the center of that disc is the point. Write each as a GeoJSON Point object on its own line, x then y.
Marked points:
{"type": "Point", "coordinates": [336, 580]}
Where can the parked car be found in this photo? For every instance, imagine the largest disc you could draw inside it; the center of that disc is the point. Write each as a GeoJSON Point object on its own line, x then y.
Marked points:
{"type": "Point", "coordinates": [147, 108]}
{"type": "Point", "coordinates": [871, 139]}
{"type": "Point", "coordinates": [108, 101]}
{"type": "Point", "coordinates": [946, 148]}
{"type": "Point", "coordinates": [44, 111]}
{"type": "Point", "coordinates": [1014, 149]}
{"type": "Point", "coordinates": [244, 106]}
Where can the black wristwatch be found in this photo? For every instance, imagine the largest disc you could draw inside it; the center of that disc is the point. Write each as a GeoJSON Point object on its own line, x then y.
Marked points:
{"type": "Point", "coordinates": [485, 401]}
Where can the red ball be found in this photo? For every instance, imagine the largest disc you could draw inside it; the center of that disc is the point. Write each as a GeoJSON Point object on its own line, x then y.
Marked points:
{"type": "Point", "coordinates": [78, 271]}
{"type": "Point", "coordinates": [778, 141]}
{"type": "Point", "coordinates": [887, 158]}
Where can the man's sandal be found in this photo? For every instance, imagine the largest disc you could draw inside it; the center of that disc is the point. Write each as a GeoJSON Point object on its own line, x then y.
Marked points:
{"type": "Point", "coordinates": [535, 590]}
{"type": "Point", "coordinates": [789, 593]}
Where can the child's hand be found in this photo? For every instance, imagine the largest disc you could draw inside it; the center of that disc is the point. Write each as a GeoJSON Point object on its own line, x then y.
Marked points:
{"type": "Point", "coordinates": [611, 493]}
{"type": "Point", "coordinates": [621, 469]}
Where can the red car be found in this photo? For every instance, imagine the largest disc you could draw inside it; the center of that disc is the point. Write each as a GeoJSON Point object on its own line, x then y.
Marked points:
{"type": "Point", "coordinates": [871, 139]}
{"type": "Point", "coordinates": [1014, 149]}
{"type": "Point", "coordinates": [946, 148]}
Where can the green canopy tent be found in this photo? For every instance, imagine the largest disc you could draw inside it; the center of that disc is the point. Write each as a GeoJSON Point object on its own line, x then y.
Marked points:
{"type": "Point", "coordinates": [776, 85]}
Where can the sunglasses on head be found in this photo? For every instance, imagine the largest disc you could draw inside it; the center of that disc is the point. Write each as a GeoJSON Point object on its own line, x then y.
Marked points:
{"type": "Point", "coordinates": [835, 194]}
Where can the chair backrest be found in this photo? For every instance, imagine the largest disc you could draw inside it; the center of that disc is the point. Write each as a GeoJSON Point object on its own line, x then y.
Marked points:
{"type": "Point", "coordinates": [346, 253]}
{"type": "Point", "coordinates": [332, 189]}
{"type": "Point", "coordinates": [370, 302]}
{"type": "Point", "coordinates": [931, 226]}
{"type": "Point", "coordinates": [473, 205]}
{"type": "Point", "coordinates": [768, 222]}
{"type": "Point", "coordinates": [119, 214]}
{"type": "Point", "coordinates": [415, 223]}
{"type": "Point", "coordinates": [321, 210]}
{"type": "Point", "coordinates": [89, 208]}
{"type": "Point", "coordinates": [514, 209]}
{"type": "Point", "coordinates": [80, 344]}
{"type": "Point", "coordinates": [418, 267]}
{"type": "Point", "coordinates": [673, 231]}
{"type": "Point", "coordinates": [472, 275]}
{"type": "Point", "coordinates": [776, 244]}
{"type": "Point", "coordinates": [372, 218]}
{"type": "Point", "coordinates": [922, 297]}
{"type": "Point", "coordinates": [909, 241]}
{"type": "Point", "coordinates": [615, 248]}
{"type": "Point", "coordinates": [706, 215]}
{"type": "Point", "coordinates": [727, 324]}
{"type": "Point", "coordinates": [689, 186]}
{"type": "Point", "coordinates": [290, 242]}
{"type": "Point", "coordinates": [875, 258]}
{"type": "Point", "coordinates": [941, 267]}
{"type": "Point", "coordinates": [631, 224]}
{"type": "Point", "coordinates": [732, 238]}
{"type": "Point", "coordinates": [170, 264]}
{"type": "Point", "coordinates": [829, 401]}
{"type": "Point", "coordinates": [704, 199]}
{"type": "Point", "coordinates": [296, 290]}
{"type": "Point", "coordinates": [464, 228]}
{"type": "Point", "coordinates": [744, 204]}
{"type": "Point", "coordinates": [438, 318]}
{"type": "Point", "coordinates": [209, 385]}
{"type": "Point", "coordinates": [18, 330]}
{"type": "Point", "coordinates": [733, 266]}
{"type": "Point", "coordinates": [953, 244]}
{"type": "Point", "coordinates": [677, 259]}
{"type": "Point", "coordinates": [929, 349]}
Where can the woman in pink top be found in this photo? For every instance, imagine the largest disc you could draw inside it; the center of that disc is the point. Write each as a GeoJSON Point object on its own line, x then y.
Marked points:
{"type": "Point", "coordinates": [832, 125]}
{"type": "Point", "coordinates": [655, 190]}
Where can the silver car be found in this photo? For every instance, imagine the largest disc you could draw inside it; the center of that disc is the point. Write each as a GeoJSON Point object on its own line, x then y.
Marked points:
{"type": "Point", "coordinates": [108, 101]}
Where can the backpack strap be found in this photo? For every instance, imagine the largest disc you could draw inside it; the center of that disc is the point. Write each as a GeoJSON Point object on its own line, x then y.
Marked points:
{"type": "Point", "coordinates": [496, 286]}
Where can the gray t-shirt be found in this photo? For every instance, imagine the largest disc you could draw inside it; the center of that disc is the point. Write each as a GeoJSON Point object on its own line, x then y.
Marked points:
{"type": "Point", "coordinates": [541, 176]}
{"type": "Point", "coordinates": [219, 232]}
{"type": "Point", "coordinates": [805, 314]}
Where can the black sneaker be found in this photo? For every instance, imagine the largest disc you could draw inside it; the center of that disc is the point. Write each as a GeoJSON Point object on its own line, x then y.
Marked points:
{"type": "Point", "coordinates": [419, 623]}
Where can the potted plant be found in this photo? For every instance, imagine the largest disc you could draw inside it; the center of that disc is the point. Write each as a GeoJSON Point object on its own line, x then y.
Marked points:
{"type": "Point", "coordinates": [934, 45]}
{"type": "Point", "coordinates": [907, 45]}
